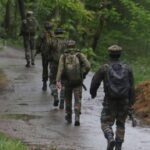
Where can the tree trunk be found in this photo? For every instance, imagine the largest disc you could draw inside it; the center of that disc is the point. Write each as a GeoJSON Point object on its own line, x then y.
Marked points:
{"type": "Point", "coordinates": [21, 8]}
{"type": "Point", "coordinates": [7, 22]}
{"type": "Point", "coordinates": [98, 33]}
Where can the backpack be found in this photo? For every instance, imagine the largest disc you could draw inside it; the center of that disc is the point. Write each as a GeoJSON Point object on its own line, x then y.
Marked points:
{"type": "Point", "coordinates": [117, 80]}
{"type": "Point", "coordinates": [72, 69]}
{"type": "Point", "coordinates": [29, 25]}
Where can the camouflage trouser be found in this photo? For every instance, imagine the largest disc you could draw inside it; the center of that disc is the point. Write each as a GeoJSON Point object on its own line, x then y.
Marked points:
{"type": "Point", "coordinates": [45, 68]}
{"type": "Point", "coordinates": [108, 117]}
{"type": "Point", "coordinates": [77, 91]}
{"type": "Point", "coordinates": [29, 48]}
{"type": "Point", "coordinates": [54, 91]}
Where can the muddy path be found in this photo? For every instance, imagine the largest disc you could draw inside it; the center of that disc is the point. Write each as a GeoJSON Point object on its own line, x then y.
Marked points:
{"type": "Point", "coordinates": [28, 114]}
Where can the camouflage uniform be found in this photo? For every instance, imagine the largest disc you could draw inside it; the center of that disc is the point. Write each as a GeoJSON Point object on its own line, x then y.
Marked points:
{"type": "Point", "coordinates": [113, 110]}
{"type": "Point", "coordinates": [57, 48]}
{"type": "Point", "coordinates": [43, 46]}
{"type": "Point", "coordinates": [76, 90]}
{"type": "Point", "coordinates": [28, 38]}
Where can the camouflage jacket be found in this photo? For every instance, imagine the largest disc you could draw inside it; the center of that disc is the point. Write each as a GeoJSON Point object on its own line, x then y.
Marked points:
{"type": "Point", "coordinates": [85, 65]}
{"type": "Point", "coordinates": [25, 27]}
{"type": "Point", "coordinates": [100, 76]}
{"type": "Point", "coordinates": [57, 47]}
{"type": "Point", "coordinates": [44, 42]}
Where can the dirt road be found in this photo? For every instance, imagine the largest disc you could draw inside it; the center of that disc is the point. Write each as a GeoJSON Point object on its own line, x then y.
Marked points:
{"type": "Point", "coordinates": [27, 113]}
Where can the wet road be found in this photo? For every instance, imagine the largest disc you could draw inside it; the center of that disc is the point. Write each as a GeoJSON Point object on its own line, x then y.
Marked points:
{"type": "Point", "coordinates": [27, 113]}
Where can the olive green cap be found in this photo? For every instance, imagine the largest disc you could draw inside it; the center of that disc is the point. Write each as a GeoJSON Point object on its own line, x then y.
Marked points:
{"type": "Point", "coordinates": [114, 48]}
{"type": "Point", "coordinates": [30, 12]}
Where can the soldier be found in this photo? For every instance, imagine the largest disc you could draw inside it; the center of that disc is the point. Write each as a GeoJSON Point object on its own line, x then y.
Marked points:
{"type": "Point", "coordinates": [28, 30]}
{"type": "Point", "coordinates": [73, 67]}
{"type": "Point", "coordinates": [43, 46]}
{"type": "Point", "coordinates": [119, 96]}
{"type": "Point", "coordinates": [57, 48]}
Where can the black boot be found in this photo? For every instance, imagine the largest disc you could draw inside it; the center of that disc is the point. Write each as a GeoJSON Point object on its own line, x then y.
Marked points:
{"type": "Point", "coordinates": [68, 118]}
{"type": "Point", "coordinates": [111, 141]}
{"type": "Point", "coordinates": [56, 101]}
{"type": "Point", "coordinates": [44, 88]}
{"type": "Point", "coordinates": [28, 64]}
{"type": "Point", "coordinates": [77, 120]}
{"type": "Point", "coordinates": [118, 145]}
{"type": "Point", "coordinates": [61, 106]}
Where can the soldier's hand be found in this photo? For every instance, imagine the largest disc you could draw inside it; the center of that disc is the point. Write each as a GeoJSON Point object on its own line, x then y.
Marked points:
{"type": "Point", "coordinates": [58, 85]}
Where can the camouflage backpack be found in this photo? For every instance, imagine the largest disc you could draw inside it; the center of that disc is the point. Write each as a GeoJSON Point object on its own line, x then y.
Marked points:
{"type": "Point", "coordinates": [72, 69]}
{"type": "Point", "coordinates": [117, 80]}
{"type": "Point", "coordinates": [29, 25]}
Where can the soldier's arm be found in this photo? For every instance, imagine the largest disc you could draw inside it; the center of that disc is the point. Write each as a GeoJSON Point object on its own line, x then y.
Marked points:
{"type": "Point", "coordinates": [85, 64]}
{"type": "Point", "coordinates": [60, 68]}
{"type": "Point", "coordinates": [96, 81]}
{"type": "Point", "coordinates": [132, 88]}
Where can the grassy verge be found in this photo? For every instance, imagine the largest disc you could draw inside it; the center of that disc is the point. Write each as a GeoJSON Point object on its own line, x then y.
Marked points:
{"type": "Point", "coordinates": [7, 143]}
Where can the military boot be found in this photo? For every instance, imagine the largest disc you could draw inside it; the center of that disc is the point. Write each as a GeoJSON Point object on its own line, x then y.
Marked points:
{"type": "Point", "coordinates": [44, 88]}
{"type": "Point", "coordinates": [28, 64]}
{"type": "Point", "coordinates": [68, 118]}
{"type": "Point", "coordinates": [56, 101]}
{"type": "Point", "coordinates": [77, 120]}
{"type": "Point", "coordinates": [61, 106]}
{"type": "Point", "coordinates": [118, 145]}
{"type": "Point", "coordinates": [111, 142]}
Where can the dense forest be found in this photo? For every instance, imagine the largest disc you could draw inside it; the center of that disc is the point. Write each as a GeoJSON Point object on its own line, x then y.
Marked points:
{"type": "Point", "coordinates": [93, 24]}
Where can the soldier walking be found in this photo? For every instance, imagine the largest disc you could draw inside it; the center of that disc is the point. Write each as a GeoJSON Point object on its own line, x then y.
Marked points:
{"type": "Point", "coordinates": [43, 45]}
{"type": "Point", "coordinates": [119, 96]}
{"type": "Point", "coordinates": [28, 30]}
{"type": "Point", "coordinates": [57, 47]}
{"type": "Point", "coordinates": [73, 67]}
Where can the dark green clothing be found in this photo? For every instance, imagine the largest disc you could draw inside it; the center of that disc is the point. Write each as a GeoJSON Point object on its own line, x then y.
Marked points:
{"type": "Point", "coordinates": [56, 49]}
{"type": "Point", "coordinates": [43, 46]}
{"type": "Point", "coordinates": [114, 110]}
{"type": "Point", "coordinates": [28, 37]}
{"type": "Point", "coordinates": [76, 90]}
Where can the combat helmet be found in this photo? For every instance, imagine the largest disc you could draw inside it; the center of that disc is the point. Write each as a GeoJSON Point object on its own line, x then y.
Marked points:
{"type": "Point", "coordinates": [58, 31]}
{"type": "Point", "coordinates": [29, 13]}
{"type": "Point", "coordinates": [115, 48]}
{"type": "Point", "coordinates": [47, 25]}
{"type": "Point", "coordinates": [71, 43]}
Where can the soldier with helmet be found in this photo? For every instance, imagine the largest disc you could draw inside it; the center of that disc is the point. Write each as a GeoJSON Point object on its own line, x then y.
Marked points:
{"type": "Point", "coordinates": [43, 45]}
{"type": "Point", "coordinates": [119, 96]}
{"type": "Point", "coordinates": [29, 28]}
{"type": "Point", "coordinates": [57, 48]}
{"type": "Point", "coordinates": [73, 67]}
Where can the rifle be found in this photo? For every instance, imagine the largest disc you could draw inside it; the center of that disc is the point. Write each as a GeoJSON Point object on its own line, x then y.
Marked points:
{"type": "Point", "coordinates": [131, 117]}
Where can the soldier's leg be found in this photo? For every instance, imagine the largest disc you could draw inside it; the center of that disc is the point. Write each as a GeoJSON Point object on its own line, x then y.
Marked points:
{"type": "Point", "coordinates": [27, 53]}
{"type": "Point", "coordinates": [120, 129]}
{"type": "Point", "coordinates": [107, 121]}
{"type": "Point", "coordinates": [44, 72]}
{"type": "Point", "coordinates": [32, 44]}
{"type": "Point", "coordinates": [77, 104]}
{"type": "Point", "coordinates": [54, 91]}
{"type": "Point", "coordinates": [68, 103]}
{"type": "Point", "coordinates": [62, 96]}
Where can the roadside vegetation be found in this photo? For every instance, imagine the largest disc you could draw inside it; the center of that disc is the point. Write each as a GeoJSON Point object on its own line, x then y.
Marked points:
{"type": "Point", "coordinates": [7, 143]}
{"type": "Point", "coordinates": [95, 25]}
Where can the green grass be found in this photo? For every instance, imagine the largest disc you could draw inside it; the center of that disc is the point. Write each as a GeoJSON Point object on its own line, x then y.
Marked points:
{"type": "Point", "coordinates": [7, 143]}
{"type": "Point", "coordinates": [141, 69]}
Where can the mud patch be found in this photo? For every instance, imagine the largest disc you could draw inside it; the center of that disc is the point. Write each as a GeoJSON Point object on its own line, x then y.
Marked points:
{"type": "Point", "coordinates": [142, 105]}
{"type": "Point", "coordinates": [23, 117]}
